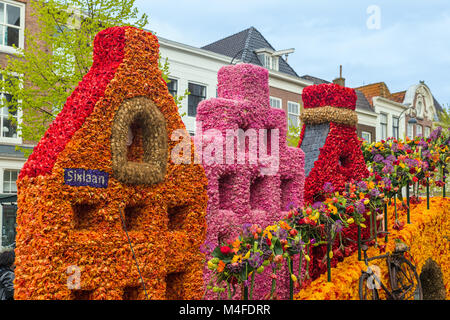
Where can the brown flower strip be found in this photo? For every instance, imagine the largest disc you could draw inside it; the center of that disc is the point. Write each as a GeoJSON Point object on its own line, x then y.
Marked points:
{"type": "Point", "coordinates": [329, 114]}
{"type": "Point", "coordinates": [151, 126]}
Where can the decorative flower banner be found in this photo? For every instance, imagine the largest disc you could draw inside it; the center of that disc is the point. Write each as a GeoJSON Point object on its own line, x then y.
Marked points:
{"type": "Point", "coordinates": [86, 178]}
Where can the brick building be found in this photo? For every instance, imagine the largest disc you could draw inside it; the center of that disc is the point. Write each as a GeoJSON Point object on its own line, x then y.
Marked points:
{"type": "Point", "coordinates": [15, 16]}
{"type": "Point", "coordinates": [396, 109]}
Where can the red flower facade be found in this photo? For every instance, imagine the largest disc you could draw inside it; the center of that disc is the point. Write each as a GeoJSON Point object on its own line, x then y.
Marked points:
{"type": "Point", "coordinates": [340, 158]}
{"type": "Point", "coordinates": [101, 182]}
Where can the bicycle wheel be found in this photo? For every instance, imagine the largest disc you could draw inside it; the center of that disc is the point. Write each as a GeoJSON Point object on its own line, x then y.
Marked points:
{"type": "Point", "coordinates": [406, 281]}
{"type": "Point", "coordinates": [367, 290]}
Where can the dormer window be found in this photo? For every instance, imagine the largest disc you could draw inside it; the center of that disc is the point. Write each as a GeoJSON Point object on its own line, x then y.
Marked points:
{"type": "Point", "coordinates": [268, 59]}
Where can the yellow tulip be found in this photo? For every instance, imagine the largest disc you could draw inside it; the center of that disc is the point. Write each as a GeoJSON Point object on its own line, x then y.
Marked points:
{"type": "Point", "coordinates": [331, 254]}
{"type": "Point", "coordinates": [350, 221]}
{"type": "Point", "coordinates": [307, 258]}
{"type": "Point", "coordinates": [293, 277]}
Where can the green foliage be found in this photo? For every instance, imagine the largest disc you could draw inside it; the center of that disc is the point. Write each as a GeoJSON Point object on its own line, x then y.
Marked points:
{"type": "Point", "coordinates": [445, 117]}
{"type": "Point", "coordinates": [42, 76]}
{"type": "Point", "coordinates": [293, 135]}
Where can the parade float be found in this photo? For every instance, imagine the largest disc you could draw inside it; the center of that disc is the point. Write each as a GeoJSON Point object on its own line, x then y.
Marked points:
{"type": "Point", "coordinates": [110, 209]}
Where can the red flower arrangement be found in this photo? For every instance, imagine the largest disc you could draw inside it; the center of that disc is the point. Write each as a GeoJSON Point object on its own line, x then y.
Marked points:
{"type": "Point", "coordinates": [340, 159]}
{"type": "Point", "coordinates": [69, 231]}
{"type": "Point", "coordinates": [329, 94]}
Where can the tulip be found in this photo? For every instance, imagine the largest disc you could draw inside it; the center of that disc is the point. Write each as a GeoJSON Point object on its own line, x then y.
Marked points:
{"type": "Point", "coordinates": [278, 258]}
{"type": "Point", "coordinates": [225, 250]}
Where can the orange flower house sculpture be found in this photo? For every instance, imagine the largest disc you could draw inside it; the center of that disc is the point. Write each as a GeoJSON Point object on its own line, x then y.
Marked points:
{"type": "Point", "coordinates": [100, 202]}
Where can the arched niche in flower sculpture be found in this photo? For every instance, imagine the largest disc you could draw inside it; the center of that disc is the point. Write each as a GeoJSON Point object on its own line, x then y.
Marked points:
{"type": "Point", "coordinates": [102, 164]}
{"type": "Point", "coordinates": [260, 189]}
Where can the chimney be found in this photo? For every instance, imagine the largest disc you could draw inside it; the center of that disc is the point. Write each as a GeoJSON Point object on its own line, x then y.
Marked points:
{"type": "Point", "coordinates": [340, 81]}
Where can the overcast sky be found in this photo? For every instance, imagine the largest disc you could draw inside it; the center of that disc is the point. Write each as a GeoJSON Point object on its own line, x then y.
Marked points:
{"type": "Point", "coordinates": [409, 42]}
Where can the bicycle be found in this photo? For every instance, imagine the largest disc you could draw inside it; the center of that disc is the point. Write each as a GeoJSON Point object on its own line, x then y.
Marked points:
{"type": "Point", "coordinates": [404, 280]}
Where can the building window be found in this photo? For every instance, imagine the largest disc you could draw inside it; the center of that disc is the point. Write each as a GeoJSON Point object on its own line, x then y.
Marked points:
{"type": "Point", "coordinates": [427, 132]}
{"type": "Point", "coordinates": [395, 127]}
{"type": "Point", "coordinates": [198, 94]}
{"type": "Point", "coordinates": [275, 103]}
{"type": "Point", "coordinates": [410, 132]}
{"type": "Point", "coordinates": [293, 114]}
{"type": "Point", "coordinates": [367, 136]}
{"type": "Point", "coordinates": [383, 123]}
{"type": "Point", "coordinates": [8, 116]}
{"type": "Point", "coordinates": [419, 108]}
{"type": "Point", "coordinates": [268, 61]}
{"type": "Point", "coordinates": [419, 130]}
{"type": "Point", "coordinates": [8, 230]}
{"type": "Point", "coordinates": [9, 181]}
{"type": "Point", "coordinates": [11, 24]}
{"type": "Point", "coordinates": [172, 85]}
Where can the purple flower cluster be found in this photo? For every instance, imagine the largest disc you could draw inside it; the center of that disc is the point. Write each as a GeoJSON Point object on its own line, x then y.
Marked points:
{"type": "Point", "coordinates": [378, 158]}
{"type": "Point", "coordinates": [328, 187]}
{"type": "Point", "coordinates": [388, 168]}
{"type": "Point", "coordinates": [436, 133]}
{"type": "Point", "coordinates": [255, 260]}
{"type": "Point", "coordinates": [374, 193]}
{"type": "Point", "coordinates": [360, 207]}
{"type": "Point", "coordinates": [394, 147]}
{"type": "Point", "coordinates": [362, 185]}
{"type": "Point", "coordinates": [338, 226]}
{"type": "Point", "coordinates": [235, 267]}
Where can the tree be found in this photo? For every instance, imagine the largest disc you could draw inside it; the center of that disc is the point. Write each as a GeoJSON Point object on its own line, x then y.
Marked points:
{"type": "Point", "coordinates": [293, 135]}
{"type": "Point", "coordinates": [40, 77]}
{"type": "Point", "coordinates": [444, 117]}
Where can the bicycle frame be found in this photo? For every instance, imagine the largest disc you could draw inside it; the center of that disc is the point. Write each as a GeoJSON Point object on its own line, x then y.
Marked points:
{"type": "Point", "coordinates": [390, 294]}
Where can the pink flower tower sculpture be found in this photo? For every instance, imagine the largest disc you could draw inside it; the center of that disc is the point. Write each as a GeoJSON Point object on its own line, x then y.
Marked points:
{"type": "Point", "coordinates": [254, 177]}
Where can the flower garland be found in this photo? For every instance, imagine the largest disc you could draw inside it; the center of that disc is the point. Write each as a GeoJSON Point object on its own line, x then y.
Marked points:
{"type": "Point", "coordinates": [70, 239]}
{"type": "Point", "coordinates": [416, 162]}
{"type": "Point", "coordinates": [299, 241]}
{"type": "Point", "coordinates": [426, 237]}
